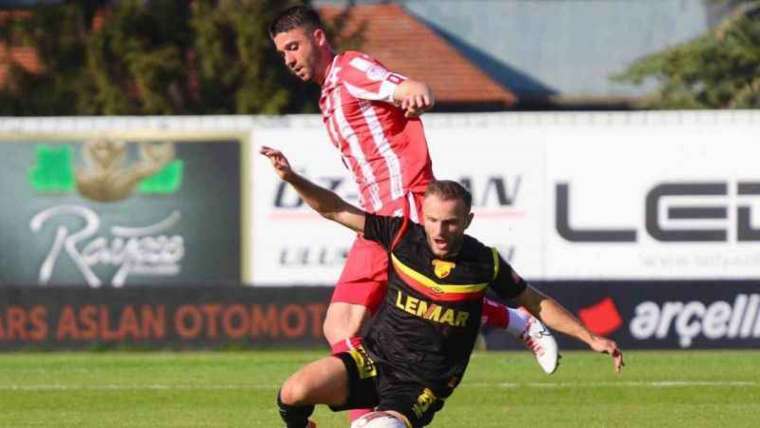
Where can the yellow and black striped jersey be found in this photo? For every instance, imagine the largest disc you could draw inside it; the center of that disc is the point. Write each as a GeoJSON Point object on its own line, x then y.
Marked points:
{"type": "Point", "coordinates": [426, 328]}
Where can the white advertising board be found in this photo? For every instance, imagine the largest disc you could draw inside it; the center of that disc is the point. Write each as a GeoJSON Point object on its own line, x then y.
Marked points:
{"type": "Point", "coordinates": [503, 168]}
{"type": "Point", "coordinates": [664, 200]}
{"type": "Point", "coordinates": [644, 195]}
{"type": "Point", "coordinates": [290, 244]}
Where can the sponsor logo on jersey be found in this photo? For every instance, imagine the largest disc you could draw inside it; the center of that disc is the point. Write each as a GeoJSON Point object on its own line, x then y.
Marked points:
{"type": "Point", "coordinates": [431, 311]}
{"type": "Point", "coordinates": [424, 401]}
{"type": "Point", "coordinates": [436, 291]}
{"type": "Point", "coordinates": [364, 364]}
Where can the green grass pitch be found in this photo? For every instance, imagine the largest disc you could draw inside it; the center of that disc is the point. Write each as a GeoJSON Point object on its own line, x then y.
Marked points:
{"type": "Point", "coordinates": [237, 389]}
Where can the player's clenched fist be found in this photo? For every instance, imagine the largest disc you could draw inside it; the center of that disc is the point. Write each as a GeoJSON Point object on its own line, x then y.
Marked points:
{"type": "Point", "coordinates": [415, 105]}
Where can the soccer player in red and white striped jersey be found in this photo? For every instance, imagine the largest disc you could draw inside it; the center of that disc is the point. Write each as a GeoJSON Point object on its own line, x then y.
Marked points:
{"type": "Point", "coordinates": [372, 118]}
{"type": "Point", "coordinates": [385, 150]}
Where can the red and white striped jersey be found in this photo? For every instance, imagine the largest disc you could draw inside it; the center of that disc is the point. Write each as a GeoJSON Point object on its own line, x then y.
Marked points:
{"type": "Point", "coordinates": [386, 152]}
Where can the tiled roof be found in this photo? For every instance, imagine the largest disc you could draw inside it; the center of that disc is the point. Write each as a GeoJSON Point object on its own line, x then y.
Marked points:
{"type": "Point", "coordinates": [409, 47]}
{"type": "Point", "coordinates": [24, 57]}
{"type": "Point", "coordinates": [398, 40]}
{"type": "Point", "coordinates": [27, 57]}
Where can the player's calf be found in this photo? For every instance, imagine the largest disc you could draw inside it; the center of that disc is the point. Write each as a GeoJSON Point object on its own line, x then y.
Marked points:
{"type": "Point", "coordinates": [293, 415]}
{"type": "Point", "coordinates": [324, 381]}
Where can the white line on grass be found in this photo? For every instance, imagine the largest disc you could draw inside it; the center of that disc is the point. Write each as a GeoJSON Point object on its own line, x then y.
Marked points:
{"type": "Point", "coordinates": [654, 384]}
{"type": "Point", "coordinates": [506, 385]}
{"type": "Point", "coordinates": [136, 387]}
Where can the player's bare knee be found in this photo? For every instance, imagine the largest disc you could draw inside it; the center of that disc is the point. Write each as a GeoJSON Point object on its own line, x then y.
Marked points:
{"type": "Point", "coordinates": [294, 391]}
{"type": "Point", "coordinates": [337, 332]}
{"type": "Point", "coordinates": [331, 331]}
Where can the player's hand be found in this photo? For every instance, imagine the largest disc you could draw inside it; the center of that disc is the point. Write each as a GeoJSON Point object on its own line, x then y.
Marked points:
{"type": "Point", "coordinates": [416, 104]}
{"type": "Point", "coordinates": [607, 346]}
{"type": "Point", "coordinates": [279, 162]}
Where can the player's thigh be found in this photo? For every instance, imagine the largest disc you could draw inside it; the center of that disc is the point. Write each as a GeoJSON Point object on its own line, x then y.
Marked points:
{"type": "Point", "coordinates": [410, 206]}
{"type": "Point", "coordinates": [415, 206]}
{"type": "Point", "coordinates": [344, 320]}
{"type": "Point", "coordinates": [324, 381]}
{"type": "Point", "coordinates": [365, 275]}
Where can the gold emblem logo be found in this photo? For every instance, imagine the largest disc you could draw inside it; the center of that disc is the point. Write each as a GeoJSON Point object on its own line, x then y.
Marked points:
{"type": "Point", "coordinates": [442, 268]}
{"type": "Point", "coordinates": [106, 177]}
{"type": "Point", "coordinates": [424, 401]}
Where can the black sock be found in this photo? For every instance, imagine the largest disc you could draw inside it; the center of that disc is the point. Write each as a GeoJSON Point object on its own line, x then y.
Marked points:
{"type": "Point", "coordinates": [294, 416]}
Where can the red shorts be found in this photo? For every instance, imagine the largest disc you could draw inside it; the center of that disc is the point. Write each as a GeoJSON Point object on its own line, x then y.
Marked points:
{"type": "Point", "coordinates": [365, 275]}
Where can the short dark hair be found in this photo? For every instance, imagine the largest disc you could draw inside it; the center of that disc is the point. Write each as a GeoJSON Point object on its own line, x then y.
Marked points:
{"type": "Point", "coordinates": [294, 17]}
{"type": "Point", "coordinates": [448, 190]}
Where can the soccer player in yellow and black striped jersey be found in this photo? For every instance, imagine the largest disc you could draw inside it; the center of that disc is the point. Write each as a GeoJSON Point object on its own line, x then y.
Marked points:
{"type": "Point", "coordinates": [419, 343]}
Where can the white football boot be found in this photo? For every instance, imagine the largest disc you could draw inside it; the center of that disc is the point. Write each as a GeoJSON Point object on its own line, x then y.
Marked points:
{"type": "Point", "coordinates": [540, 341]}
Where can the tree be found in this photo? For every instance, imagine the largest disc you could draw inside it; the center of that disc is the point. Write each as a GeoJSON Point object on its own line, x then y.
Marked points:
{"type": "Point", "coordinates": [56, 33]}
{"type": "Point", "coordinates": [720, 69]}
{"type": "Point", "coordinates": [154, 57]}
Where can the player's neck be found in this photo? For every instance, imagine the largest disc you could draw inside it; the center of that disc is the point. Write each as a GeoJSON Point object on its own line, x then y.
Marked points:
{"type": "Point", "coordinates": [328, 60]}
{"type": "Point", "coordinates": [451, 255]}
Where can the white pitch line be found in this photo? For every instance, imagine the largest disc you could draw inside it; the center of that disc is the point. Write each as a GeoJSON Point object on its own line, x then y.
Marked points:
{"type": "Point", "coordinates": [125, 387]}
{"type": "Point", "coordinates": [653, 384]}
{"type": "Point", "coordinates": [503, 385]}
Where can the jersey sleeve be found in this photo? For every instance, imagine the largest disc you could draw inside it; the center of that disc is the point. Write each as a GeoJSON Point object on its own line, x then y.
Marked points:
{"type": "Point", "coordinates": [365, 78]}
{"type": "Point", "coordinates": [506, 282]}
{"type": "Point", "coordinates": [382, 229]}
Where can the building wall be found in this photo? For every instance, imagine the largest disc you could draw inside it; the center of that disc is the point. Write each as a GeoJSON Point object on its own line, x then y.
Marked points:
{"type": "Point", "coordinates": [558, 47]}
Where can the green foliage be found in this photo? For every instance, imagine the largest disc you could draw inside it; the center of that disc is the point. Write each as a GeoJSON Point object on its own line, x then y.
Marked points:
{"type": "Point", "coordinates": [720, 69]}
{"type": "Point", "coordinates": [57, 34]}
{"type": "Point", "coordinates": [238, 69]}
{"type": "Point", "coordinates": [136, 62]}
{"type": "Point", "coordinates": [152, 57]}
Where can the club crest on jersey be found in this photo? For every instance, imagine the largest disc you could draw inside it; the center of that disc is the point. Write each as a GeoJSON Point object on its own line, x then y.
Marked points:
{"type": "Point", "coordinates": [442, 268]}
{"type": "Point", "coordinates": [377, 73]}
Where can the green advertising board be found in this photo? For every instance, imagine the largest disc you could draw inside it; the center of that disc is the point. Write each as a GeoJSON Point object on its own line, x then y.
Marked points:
{"type": "Point", "coordinates": [110, 212]}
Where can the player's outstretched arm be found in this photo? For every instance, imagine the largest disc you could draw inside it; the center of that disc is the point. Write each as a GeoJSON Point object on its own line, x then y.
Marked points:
{"type": "Point", "coordinates": [558, 318]}
{"type": "Point", "coordinates": [414, 97]}
{"type": "Point", "coordinates": [323, 201]}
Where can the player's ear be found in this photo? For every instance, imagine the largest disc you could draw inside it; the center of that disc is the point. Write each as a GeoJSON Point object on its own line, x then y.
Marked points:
{"type": "Point", "coordinates": [320, 37]}
{"type": "Point", "coordinates": [468, 221]}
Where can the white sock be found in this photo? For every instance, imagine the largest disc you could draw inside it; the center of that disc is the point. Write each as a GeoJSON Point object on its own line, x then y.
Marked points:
{"type": "Point", "coordinates": [518, 321]}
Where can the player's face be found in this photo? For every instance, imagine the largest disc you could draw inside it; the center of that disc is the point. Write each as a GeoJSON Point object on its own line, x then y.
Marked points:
{"type": "Point", "coordinates": [300, 50]}
{"type": "Point", "coordinates": [445, 222]}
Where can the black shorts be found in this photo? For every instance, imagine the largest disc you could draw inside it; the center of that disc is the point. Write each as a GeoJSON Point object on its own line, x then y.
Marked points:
{"type": "Point", "coordinates": [374, 386]}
